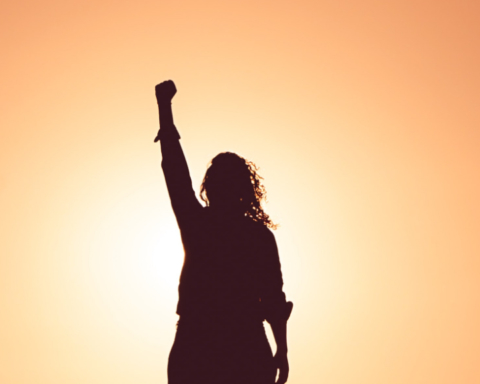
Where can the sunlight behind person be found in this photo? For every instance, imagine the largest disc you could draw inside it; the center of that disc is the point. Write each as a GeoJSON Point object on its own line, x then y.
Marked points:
{"type": "Point", "coordinates": [363, 113]}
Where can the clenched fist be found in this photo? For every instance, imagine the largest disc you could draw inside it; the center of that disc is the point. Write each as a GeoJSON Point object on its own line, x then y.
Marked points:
{"type": "Point", "coordinates": [165, 92]}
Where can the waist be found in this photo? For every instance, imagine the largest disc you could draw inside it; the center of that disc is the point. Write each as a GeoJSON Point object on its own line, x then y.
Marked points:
{"type": "Point", "coordinates": [220, 321]}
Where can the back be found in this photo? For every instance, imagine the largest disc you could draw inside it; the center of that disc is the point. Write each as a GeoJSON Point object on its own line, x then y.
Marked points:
{"type": "Point", "coordinates": [225, 261]}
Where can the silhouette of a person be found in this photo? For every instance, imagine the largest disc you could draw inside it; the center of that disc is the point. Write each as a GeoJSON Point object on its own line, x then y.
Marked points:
{"type": "Point", "coordinates": [231, 279]}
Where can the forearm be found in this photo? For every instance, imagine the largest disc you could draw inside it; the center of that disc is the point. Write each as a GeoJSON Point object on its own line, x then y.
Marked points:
{"type": "Point", "coordinates": [167, 127]}
{"type": "Point", "coordinates": [279, 329]}
{"type": "Point", "coordinates": [174, 163]}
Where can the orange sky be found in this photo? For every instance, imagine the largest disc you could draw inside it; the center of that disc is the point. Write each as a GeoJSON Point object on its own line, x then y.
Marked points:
{"type": "Point", "coordinates": [363, 117]}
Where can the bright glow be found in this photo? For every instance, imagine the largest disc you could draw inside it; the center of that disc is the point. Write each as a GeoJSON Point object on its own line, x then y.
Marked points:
{"type": "Point", "coordinates": [135, 259]}
{"type": "Point", "coordinates": [363, 117]}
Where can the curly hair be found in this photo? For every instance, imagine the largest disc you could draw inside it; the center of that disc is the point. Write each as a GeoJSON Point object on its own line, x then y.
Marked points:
{"type": "Point", "coordinates": [230, 175]}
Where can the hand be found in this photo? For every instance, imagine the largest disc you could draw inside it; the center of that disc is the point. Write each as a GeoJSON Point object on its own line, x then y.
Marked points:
{"type": "Point", "coordinates": [165, 92]}
{"type": "Point", "coordinates": [281, 363]}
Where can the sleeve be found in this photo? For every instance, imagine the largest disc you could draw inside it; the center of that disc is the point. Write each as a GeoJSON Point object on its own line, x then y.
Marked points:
{"type": "Point", "coordinates": [272, 297]}
{"type": "Point", "coordinates": [177, 176]}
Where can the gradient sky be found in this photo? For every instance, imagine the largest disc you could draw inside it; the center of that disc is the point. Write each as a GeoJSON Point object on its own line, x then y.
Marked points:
{"type": "Point", "coordinates": [363, 117]}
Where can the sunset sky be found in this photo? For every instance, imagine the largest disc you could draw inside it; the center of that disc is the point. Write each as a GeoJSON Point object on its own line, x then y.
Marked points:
{"type": "Point", "coordinates": [364, 119]}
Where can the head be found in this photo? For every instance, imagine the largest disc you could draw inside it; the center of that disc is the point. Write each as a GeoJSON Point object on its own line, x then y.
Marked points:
{"type": "Point", "coordinates": [232, 183]}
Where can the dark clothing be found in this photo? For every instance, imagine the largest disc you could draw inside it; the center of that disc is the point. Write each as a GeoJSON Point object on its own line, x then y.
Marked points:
{"type": "Point", "coordinates": [220, 353]}
{"type": "Point", "coordinates": [230, 282]}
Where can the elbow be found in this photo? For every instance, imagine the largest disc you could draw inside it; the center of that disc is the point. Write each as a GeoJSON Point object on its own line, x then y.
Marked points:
{"type": "Point", "coordinates": [165, 164]}
{"type": "Point", "coordinates": [279, 313]}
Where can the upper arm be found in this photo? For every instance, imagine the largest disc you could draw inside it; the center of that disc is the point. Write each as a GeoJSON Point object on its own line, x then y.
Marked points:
{"type": "Point", "coordinates": [179, 183]}
{"type": "Point", "coordinates": [272, 295]}
{"type": "Point", "coordinates": [270, 267]}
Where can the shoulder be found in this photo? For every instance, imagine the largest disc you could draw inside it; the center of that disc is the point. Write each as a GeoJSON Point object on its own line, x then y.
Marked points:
{"type": "Point", "coordinates": [261, 232]}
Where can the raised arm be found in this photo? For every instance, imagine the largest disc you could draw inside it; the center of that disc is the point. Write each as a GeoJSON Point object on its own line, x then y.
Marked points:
{"type": "Point", "coordinates": [174, 164]}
